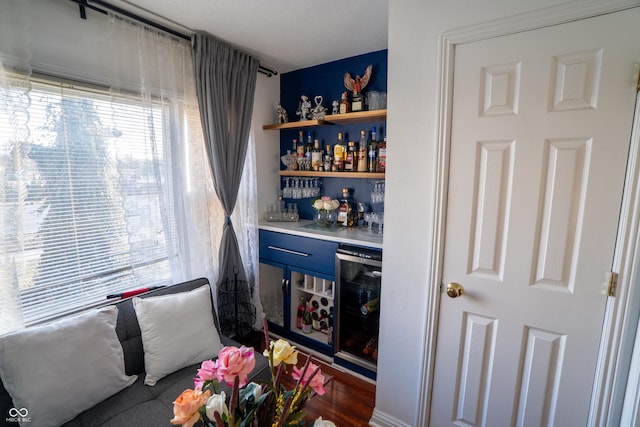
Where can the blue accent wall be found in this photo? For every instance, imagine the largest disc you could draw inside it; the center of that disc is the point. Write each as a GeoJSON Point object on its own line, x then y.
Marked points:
{"type": "Point", "coordinates": [327, 80]}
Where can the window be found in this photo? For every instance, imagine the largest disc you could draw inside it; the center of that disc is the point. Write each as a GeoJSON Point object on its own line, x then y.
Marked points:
{"type": "Point", "coordinates": [85, 199]}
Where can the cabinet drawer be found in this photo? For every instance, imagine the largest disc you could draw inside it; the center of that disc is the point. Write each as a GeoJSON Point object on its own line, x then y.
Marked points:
{"type": "Point", "coordinates": [304, 252]}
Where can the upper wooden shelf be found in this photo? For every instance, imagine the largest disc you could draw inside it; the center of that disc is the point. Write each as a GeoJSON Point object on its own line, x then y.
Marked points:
{"type": "Point", "coordinates": [358, 117]}
{"type": "Point", "coordinates": [369, 175]}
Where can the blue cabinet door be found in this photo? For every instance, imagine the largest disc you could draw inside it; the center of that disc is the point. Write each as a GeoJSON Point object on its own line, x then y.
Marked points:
{"type": "Point", "coordinates": [294, 267]}
{"type": "Point", "coordinates": [303, 252]}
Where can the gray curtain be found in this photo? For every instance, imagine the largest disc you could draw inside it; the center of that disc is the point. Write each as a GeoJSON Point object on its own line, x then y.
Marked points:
{"type": "Point", "coordinates": [225, 84]}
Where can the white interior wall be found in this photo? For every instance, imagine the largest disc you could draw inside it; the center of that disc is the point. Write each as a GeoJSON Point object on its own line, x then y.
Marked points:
{"type": "Point", "coordinates": [414, 29]}
{"type": "Point", "coordinates": [267, 141]}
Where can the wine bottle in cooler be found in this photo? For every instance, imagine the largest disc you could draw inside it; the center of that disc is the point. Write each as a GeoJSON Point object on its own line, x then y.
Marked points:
{"type": "Point", "coordinates": [330, 331]}
{"type": "Point", "coordinates": [307, 321]}
{"type": "Point", "coordinates": [300, 314]}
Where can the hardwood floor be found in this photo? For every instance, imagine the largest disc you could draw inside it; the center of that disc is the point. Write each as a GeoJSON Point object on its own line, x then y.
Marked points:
{"type": "Point", "coordinates": [348, 402]}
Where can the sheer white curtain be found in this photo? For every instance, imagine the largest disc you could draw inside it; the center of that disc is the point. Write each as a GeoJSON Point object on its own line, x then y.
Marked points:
{"type": "Point", "coordinates": [159, 68]}
{"type": "Point", "coordinates": [160, 217]}
{"type": "Point", "coordinates": [245, 218]}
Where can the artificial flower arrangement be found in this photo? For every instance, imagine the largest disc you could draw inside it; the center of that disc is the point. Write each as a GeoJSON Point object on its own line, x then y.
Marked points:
{"type": "Point", "coordinates": [250, 404]}
{"type": "Point", "coordinates": [325, 203]}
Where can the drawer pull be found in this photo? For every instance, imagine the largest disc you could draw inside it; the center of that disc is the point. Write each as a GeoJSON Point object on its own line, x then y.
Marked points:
{"type": "Point", "coordinates": [289, 251]}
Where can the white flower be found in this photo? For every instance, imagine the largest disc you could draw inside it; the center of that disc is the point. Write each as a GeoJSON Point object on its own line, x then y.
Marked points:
{"type": "Point", "coordinates": [255, 389]}
{"type": "Point", "coordinates": [217, 403]}
{"type": "Point", "coordinates": [319, 422]}
{"type": "Point", "coordinates": [325, 203]}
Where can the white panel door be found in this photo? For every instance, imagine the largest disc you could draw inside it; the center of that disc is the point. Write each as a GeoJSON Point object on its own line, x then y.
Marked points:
{"type": "Point", "coordinates": [541, 124]}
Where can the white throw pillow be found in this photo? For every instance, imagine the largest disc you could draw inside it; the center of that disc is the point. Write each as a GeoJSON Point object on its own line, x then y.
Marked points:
{"type": "Point", "coordinates": [177, 331]}
{"type": "Point", "coordinates": [55, 371]}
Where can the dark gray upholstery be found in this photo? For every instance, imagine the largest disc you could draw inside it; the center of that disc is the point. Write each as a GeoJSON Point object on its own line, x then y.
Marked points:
{"type": "Point", "coordinates": [140, 405]}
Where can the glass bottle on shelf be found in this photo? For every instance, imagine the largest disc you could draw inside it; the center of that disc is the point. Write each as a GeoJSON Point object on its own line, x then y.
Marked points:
{"type": "Point", "coordinates": [362, 152]}
{"type": "Point", "coordinates": [382, 156]}
{"type": "Point", "coordinates": [316, 157]}
{"type": "Point", "coordinates": [339, 154]}
{"type": "Point", "coordinates": [347, 211]}
{"type": "Point", "coordinates": [308, 148]}
{"type": "Point", "coordinates": [306, 320]}
{"type": "Point", "coordinates": [328, 158]}
{"type": "Point", "coordinates": [350, 164]}
{"type": "Point", "coordinates": [373, 151]}
{"type": "Point", "coordinates": [344, 104]}
{"type": "Point", "coordinates": [300, 147]}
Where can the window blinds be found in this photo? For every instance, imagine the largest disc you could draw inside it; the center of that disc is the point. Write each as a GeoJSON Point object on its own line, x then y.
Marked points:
{"type": "Point", "coordinates": [86, 199]}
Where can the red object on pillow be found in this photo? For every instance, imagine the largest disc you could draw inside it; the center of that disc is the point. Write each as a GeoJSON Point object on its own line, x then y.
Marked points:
{"type": "Point", "coordinates": [132, 293]}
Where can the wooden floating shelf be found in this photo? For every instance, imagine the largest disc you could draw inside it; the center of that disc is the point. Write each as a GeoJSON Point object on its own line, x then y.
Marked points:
{"type": "Point", "coordinates": [333, 119]}
{"type": "Point", "coordinates": [295, 125]}
{"type": "Point", "coordinates": [370, 175]}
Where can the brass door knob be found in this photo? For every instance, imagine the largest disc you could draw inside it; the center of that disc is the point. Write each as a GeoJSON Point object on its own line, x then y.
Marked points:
{"type": "Point", "coordinates": [454, 290]}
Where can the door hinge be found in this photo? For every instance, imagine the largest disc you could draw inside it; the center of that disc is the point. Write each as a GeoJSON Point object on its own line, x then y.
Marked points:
{"type": "Point", "coordinates": [613, 283]}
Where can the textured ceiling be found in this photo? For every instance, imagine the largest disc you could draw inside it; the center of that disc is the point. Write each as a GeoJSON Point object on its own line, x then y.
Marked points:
{"type": "Point", "coordinates": [284, 34]}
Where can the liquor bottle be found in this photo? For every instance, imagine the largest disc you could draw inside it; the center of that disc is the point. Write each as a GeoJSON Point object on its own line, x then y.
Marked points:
{"type": "Point", "coordinates": [350, 164]}
{"type": "Point", "coordinates": [347, 210]}
{"type": "Point", "coordinates": [308, 148]}
{"type": "Point", "coordinates": [300, 147]}
{"type": "Point", "coordinates": [300, 313]}
{"type": "Point", "coordinates": [382, 156]}
{"type": "Point", "coordinates": [316, 156]}
{"type": "Point", "coordinates": [339, 154]}
{"type": "Point", "coordinates": [328, 158]}
{"type": "Point", "coordinates": [344, 104]}
{"type": "Point", "coordinates": [373, 151]}
{"type": "Point", "coordinates": [306, 320]}
{"type": "Point", "coordinates": [362, 153]}
{"type": "Point", "coordinates": [370, 306]}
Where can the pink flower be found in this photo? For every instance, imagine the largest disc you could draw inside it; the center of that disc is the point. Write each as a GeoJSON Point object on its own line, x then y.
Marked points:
{"type": "Point", "coordinates": [317, 382]}
{"type": "Point", "coordinates": [235, 362]}
{"type": "Point", "coordinates": [207, 372]}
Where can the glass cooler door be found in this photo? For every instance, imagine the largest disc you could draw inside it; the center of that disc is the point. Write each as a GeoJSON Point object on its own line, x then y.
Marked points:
{"type": "Point", "coordinates": [358, 317]}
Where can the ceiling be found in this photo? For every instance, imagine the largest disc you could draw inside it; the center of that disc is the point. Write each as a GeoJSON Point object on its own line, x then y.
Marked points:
{"type": "Point", "coordinates": [284, 34]}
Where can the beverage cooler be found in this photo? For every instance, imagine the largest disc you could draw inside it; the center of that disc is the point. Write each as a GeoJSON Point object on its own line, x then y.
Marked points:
{"type": "Point", "coordinates": [357, 293]}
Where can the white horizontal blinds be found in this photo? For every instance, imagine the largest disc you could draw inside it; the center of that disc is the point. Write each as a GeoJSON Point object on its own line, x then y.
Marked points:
{"type": "Point", "coordinates": [14, 102]}
{"type": "Point", "coordinates": [93, 219]}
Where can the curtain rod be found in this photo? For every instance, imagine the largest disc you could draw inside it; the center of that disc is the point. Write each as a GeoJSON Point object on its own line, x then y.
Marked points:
{"type": "Point", "coordinates": [83, 4]}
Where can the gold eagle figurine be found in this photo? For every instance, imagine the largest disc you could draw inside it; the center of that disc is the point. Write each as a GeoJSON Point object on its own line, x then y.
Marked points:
{"type": "Point", "coordinates": [356, 85]}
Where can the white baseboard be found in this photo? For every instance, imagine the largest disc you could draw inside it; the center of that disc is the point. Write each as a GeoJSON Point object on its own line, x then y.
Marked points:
{"type": "Point", "coordinates": [380, 419]}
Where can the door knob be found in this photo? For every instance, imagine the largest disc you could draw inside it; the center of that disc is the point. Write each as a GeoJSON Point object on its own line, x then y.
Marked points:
{"type": "Point", "coordinates": [454, 290]}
